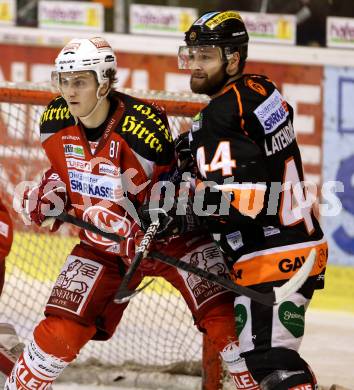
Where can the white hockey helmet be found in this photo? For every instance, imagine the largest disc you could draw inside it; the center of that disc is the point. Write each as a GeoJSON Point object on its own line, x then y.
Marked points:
{"type": "Point", "coordinates": [93, 54]}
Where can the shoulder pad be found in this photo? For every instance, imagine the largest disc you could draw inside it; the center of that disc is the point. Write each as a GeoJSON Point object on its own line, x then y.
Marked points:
{"type": "Point", "coordinates": [145, 128]}
{"type": "Point", "coordinates": [55, 117]}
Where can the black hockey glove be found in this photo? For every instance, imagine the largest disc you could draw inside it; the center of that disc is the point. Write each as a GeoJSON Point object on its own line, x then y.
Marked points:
{"type": "Point", "coordinates": [174, 221]}
{"type": "Point", "coordinates": [185, 158]}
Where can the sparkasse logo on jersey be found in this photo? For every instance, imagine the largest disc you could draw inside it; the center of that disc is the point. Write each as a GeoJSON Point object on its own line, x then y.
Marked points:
{"type": "Point", "coordinates": [95, 186]}
{"type": "Point", "coordinates": [71, 150]}
{"type": "Point", "coordinates": [272, 112]}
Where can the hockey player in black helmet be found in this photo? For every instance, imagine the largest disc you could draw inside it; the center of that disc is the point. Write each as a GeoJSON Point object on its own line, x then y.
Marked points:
{"type": "Point", "coordinates": [245, 146]}
{"type": "Point", "coordinates": [210, 41]}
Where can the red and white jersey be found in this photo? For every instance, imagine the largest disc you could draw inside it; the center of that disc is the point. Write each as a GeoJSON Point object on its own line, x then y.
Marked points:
{"type": "Point", "coordinates": [107, 184]}
{"type": "Point", "coordinates": [6, 232]}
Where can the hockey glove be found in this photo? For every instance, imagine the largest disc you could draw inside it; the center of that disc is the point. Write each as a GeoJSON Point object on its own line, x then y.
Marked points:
{"type": "Point", "coordinates": [128, 248]}
{"type": "Point", "coordinates": [173, 222]}
{"type": "Point", "coordinates": [45, 201]}
{"type": "Point", "coordinates": [185, 160]}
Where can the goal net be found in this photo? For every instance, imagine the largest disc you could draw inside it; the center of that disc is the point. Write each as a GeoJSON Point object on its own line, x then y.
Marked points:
{"type": "Point", "coordinates": [157, 331]}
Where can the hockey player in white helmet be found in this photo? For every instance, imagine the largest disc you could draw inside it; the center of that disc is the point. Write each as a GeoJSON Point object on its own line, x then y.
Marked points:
{"type": "Point", "coordinates": [76, 65]}
{"type": "Point", "coordinates": [107, 150]}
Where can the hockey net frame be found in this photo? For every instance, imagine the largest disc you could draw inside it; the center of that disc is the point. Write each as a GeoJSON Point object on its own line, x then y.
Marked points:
{"type": "Point", "coordinates": [36, 257]}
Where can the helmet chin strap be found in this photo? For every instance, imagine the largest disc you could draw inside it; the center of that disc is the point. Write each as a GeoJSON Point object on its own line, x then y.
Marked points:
{"type": "Point", "coordinates": [99, 102]}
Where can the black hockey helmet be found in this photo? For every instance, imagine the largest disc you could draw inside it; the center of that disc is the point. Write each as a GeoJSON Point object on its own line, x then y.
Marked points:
{"type": "Point", "coordinates": [225, 29]}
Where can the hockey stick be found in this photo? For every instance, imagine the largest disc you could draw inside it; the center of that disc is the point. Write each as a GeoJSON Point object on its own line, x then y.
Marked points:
{"type": "Point", "coordinates": [124, 294]}
{"type": "Point", "coordinates": [272, 298]}
{"type": "Point", "coordinates": [64, 217]}
{"type": "Point", "coordinates": [278, 294]}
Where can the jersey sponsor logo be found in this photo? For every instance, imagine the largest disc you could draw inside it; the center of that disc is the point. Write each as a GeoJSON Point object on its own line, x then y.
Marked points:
{"type": "Point", "coordinates": [272, 112]}
{"type": "Point", "coordinates": [107, 221]}
{"type": "Point", "coordinates": [75, 283]}
{"type": "Point", "coordinates": [70, 137]}
{"type": "Point", "coordinates": [71, 150]}
{"type": "Point", "coordinates": [81, 165]}
{"type": "Point", "coordinates": [207, 257]}
{"type": "Point", "coordinates": [95, 186]}
{"type": "Point", "coordinates": [148, 112]}
{"type": "Point", "coordinates": [280, 140]}
{"type": "Point", "coordinates": [133, 126]}
{"type": "Point", "coordinates": [107, 169]}
{"type": "Point", "coordinates": [111, 123]}
{"type": "Point", "coordinates": [53, 113]}
{"type": "Point", "coordinates": [291, 265]}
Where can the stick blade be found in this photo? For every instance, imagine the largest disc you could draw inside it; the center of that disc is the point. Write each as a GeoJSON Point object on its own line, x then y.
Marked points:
{"type": "Point", "coordinates": [296, 282]}
{"type": "Point", "coordinates": [126, 295]}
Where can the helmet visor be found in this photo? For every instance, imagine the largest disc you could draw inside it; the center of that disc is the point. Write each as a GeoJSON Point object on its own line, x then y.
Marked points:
{"type": "Point", "coordinates": [191, 57]}
{"type": "Point", "coordinates": [80, 80]}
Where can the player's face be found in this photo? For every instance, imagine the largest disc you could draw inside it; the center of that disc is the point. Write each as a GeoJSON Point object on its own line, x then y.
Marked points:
{"type": "Point", "coordinates": [208, 80]}
{"type": "Point", "coordinates": [79, 89]}
{"type": "Point", "coordinates": [207, 68]}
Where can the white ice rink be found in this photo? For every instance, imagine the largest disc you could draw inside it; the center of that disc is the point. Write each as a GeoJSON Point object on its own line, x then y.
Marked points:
{"type": "Point", "coordinates": [328, 345]}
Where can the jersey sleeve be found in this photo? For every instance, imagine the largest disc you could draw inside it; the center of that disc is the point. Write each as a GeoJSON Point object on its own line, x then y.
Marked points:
{"type": "Point", "coordinates": [6, 232]}
{"type": "Point", "coordinates": [145, 129]}
{"type": "Point", "coordinates": [55, 117]}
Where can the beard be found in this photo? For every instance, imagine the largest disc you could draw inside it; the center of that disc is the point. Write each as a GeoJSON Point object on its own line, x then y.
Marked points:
{"type": "Point", "coordinates": [202, 84]}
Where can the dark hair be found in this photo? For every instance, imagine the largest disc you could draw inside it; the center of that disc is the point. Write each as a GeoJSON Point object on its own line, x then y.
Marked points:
{"type": "Point", "coordinates": [112, 76]}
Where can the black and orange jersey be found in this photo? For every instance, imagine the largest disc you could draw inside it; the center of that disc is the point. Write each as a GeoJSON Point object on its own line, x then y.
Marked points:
{"type": "Point", "coordinates": [245, 146]}
{"type": "Point", "coordinates": [6, 232]}
{"type": "Point", "coordinates": [106, 185]}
